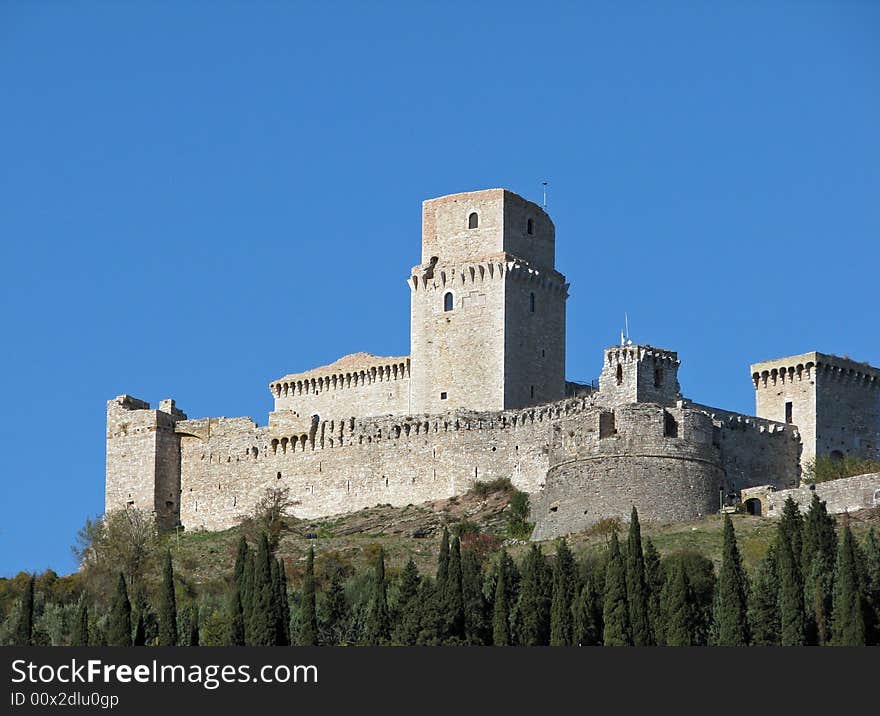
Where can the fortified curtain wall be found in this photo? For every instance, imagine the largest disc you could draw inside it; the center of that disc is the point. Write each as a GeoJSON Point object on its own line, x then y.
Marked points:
{"type": "Point", "coordinates": [340, 466]}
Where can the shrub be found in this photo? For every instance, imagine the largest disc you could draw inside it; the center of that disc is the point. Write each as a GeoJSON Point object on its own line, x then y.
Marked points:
{"type": "Point", "coordinates": [605, 527]}
{"type": "Point", "coordinates": [824, 468]}
{"type": "Point", "coordinates": [484, 489]}
{"type": "Point", "coordinates": [518, 525]}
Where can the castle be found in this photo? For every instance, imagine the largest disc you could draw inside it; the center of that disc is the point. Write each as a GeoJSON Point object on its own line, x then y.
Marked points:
{"type": "Point", "coordinates": [483, 395]}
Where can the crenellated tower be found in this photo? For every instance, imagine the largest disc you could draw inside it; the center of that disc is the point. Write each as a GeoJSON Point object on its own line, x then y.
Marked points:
{"type": "Point", "coordinates": [833, 401]}
{"type": "Point", "coordinates": [487, 327]}
{"type": "Point", "coordinates": [639, 374]}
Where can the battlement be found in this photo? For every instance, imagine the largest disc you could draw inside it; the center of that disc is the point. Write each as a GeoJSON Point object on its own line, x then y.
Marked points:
{"type": "Point", "coordinates": [493, 268]}
{"type": "Point", "coordinates": [639, 374]}
{"type": "Point", "coordinates": [810, 366]}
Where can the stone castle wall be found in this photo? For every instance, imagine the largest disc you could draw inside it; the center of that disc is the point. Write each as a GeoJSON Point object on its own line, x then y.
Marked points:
{"type": "Point", "coordinates": [848, 494]}
{"type": "Point", "coordinates": [671, 463]}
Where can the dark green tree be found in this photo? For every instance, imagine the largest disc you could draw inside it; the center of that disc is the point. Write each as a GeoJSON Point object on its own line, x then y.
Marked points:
{"type": "Point", "coordinates": [872, 580]}
{"type": "Point", "coordinates": [378, 627]}
{"type": "Point", "coordinates": [236, 618]}
{"type": "Point", "coordinates": [764, 602]}
{"type": "Point", "coordinates": [408, 613]}
{"type": "Point", "coordinates": [453, 597]}
{"type": "Point", "coordinates": [140, 634]}
{"type": "Point", "coordinates": [791, 525]}
{"type": "Point", "coordinates": [679, 617]}
{"type": "Point", "coordinates": [654, 578]}
{"type": "Point", "coordinates": [336, 610]}
{"type": "Point", "coordinates": [193, 636]}
{"type": "Point", "coordinates": [818, 554]}
{"type": "Point", "coordinates": [168, 606]}
{"type": "Point", "coordinates": [308, 619]}
{"type": "Point", "coordinates": [476, 617]}
{"type": "Point", "coordinates": [731, 608]}
{"type": "Point", "coordinates": [564, 588]}
{"type": "Point", "coordinates": [283, 606]}
{"type": "Point", "coordinates": [636, 585]}
{"type": "Point", "coordinates": [848, 617]}
{"type": "Point", "coordinates": [587, 614]}
{"type": "Point", "coordinates": [792, 621]}
{"type": "Point", "coordinates": [80, 635]}
{"type": "Point", "coordinates": [534, 599]}
{"type": "Point", "coordinates": [263, 618]}
{"type": "Point", "coordinates": [24, 625]}
{"type": "Point", "coordinates": [501, 606]}
{"type": "Point", "coordinates": [246, 592]}
{"type": "Point", "coordinates": [119, 631]}
{"type": "Point", "coordinates": [443, 560]}
{"type": "Point", "coordinates": [615, 606]}
{"type": "Point", "coordinates": [431, 618]}
{"type": "Point", "coordinates": [241, 558]}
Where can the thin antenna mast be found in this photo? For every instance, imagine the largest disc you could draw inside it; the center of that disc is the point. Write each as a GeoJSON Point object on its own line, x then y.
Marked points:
{"type": "Point", "coordinates": [545, 194]}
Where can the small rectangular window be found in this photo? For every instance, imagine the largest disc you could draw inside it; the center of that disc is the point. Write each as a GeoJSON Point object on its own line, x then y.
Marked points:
{"type": "Point", "coordinates": [443, 395]}
{"type": "Point", "coordinates": [533, 391]}
{"type": "Point", "coordinates": [788, 412]}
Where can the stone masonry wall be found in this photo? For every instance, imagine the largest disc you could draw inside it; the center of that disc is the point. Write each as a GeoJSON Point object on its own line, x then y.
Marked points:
{"type": "Point", "coordinates": [847, 494]}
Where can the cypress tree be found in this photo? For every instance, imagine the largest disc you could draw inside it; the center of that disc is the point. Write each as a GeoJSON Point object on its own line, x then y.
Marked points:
{"type": "Point", "coordinates": [534, 599]}
{"type": "Point", "coordinates": [247, 594]}
{"type": "Point", "coordinates": [241, 559]}
{"type": "Point", "coordinates": [119, 633]}
{"type": "Point", "coordinates": [872, 574]}
{"type": "Point", "coordinates": [378, 622]}
{"type": "Point", "coordinates": [236, 618]}
{"type": "Point", "coordinates": [654, 579]}
{"type": "Point", "coordinates": [193, 637]}
{"type": "Point", "coordinates": [168, 606]}
{"type": "Point", "coordinates": [80, 635]}
{"type": "Point", "coordinates": [284, 610]}
{"type": "Point", "coordinates": [615, 606]}
{"type": "Point", "coordinates": [140, 635]}
{"type": "Point", "coordinates": [263, 619]}
{"type": "Point", "coordinates": [443, 560]}
{"type": "Point", "coordinates": [431, 618]}
{"type": "Point", "coordinates": [563, 591]}
{"type": "Point", "coordinates": [408, 612]}
{"type": "Point", "coordinates": [679, 602]}
{"type": "Point", "coordinates": [636, 585]}
{"type": "Point", "coordinates": [308, 619]}
{"type": "Point", "coordinates": [501, 608]}
{"type": "Point", "coordinates": [337, 609]}
{"type": "Point", "coordinates": [791, 525]}
{"type": "Point", "coordinates": [476, 621]}
{"type": "Point", "coordinates": [453, 596]}
{"type": "Point", "coordinates": [764, 602]}
{"type": "Point", "coordinates": [731, 617]}
{"type": "Point", "coordinates": [24, 627]}
{"type": "Point", "coordinates": [792, 623]}
{"type": "Point", "coordinates": [586, 615]}
{"type": "Point", "coordinates": [848, 618]}
{"type": "Point", "coordinates": [819, 551]}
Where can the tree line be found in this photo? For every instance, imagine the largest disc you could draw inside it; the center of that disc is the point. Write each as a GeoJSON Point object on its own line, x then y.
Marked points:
{"type": "Point", "coordinates": [812, 587]}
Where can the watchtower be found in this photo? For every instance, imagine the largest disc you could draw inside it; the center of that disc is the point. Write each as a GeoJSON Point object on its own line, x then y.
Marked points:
{"type": "Point", "coordinates": [487, 328]}
{"type": "Point", "coordinates": [835, 403]}
{"type": "Point", "coordinates": [639, 374]}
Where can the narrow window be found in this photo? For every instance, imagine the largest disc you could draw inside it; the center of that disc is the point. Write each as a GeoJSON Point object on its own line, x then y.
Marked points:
{"type": "Point", "coordinates": [447, 301]}
{"type": "Point", "coordinates": [658, 377]}
{"type": "Point", "coordinates": [532, 302]}
{"type": "Point", "coordinates": [670, 426]}
{"type": "Point", "coordinates": [533, 390]}
{"type": "Point", "coordinates": [530, 226]}
{"type": "Point", "coordinates": [443, 395]}
{"type": "Point", "coordinates": [473, 220]}
{"type": "Point", "coordinates": [619, 374]}
{"type": "Point", "coordinates": [788, 412]}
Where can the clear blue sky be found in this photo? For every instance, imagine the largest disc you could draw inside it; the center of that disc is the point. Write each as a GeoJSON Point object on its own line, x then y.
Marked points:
{"type": "Point", "coordinates": [200, 197]}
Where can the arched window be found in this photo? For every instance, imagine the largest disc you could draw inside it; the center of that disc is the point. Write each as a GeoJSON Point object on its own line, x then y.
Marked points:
{"type": "Point", "coordinates": [530, 227]}
{"type": "Point", "coordinates": [473, 220]}
{"type": "Point", "coordinates": [532, 302]}
{"type": "Point", "coordinates": [447, 301]}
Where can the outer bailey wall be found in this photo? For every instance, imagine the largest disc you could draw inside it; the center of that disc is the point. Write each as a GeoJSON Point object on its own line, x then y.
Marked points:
{"type": "Point", "coordinates": [226, 463]}
{"type": "Point", "coordinates": [847, 494]}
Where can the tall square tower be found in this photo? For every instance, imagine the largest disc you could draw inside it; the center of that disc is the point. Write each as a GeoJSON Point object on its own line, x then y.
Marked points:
{"type": "Point", "coordinates": [835, 403]}
{"type": "Point", "coordinates": [487, 324]}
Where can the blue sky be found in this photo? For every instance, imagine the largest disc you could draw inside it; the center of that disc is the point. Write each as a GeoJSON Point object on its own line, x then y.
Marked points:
{"type": "Point", "coordinates": [200, 197]}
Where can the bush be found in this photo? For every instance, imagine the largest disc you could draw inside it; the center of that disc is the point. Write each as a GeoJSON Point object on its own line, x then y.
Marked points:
{"type": "Point", "coordinates": [518, 525]}
{"type": "Point", "coordinates": [824, 468]}
{"type": "Point", "coordinates": [605, 527]}
{"type": "Point", "coordinates": [484, 489]}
